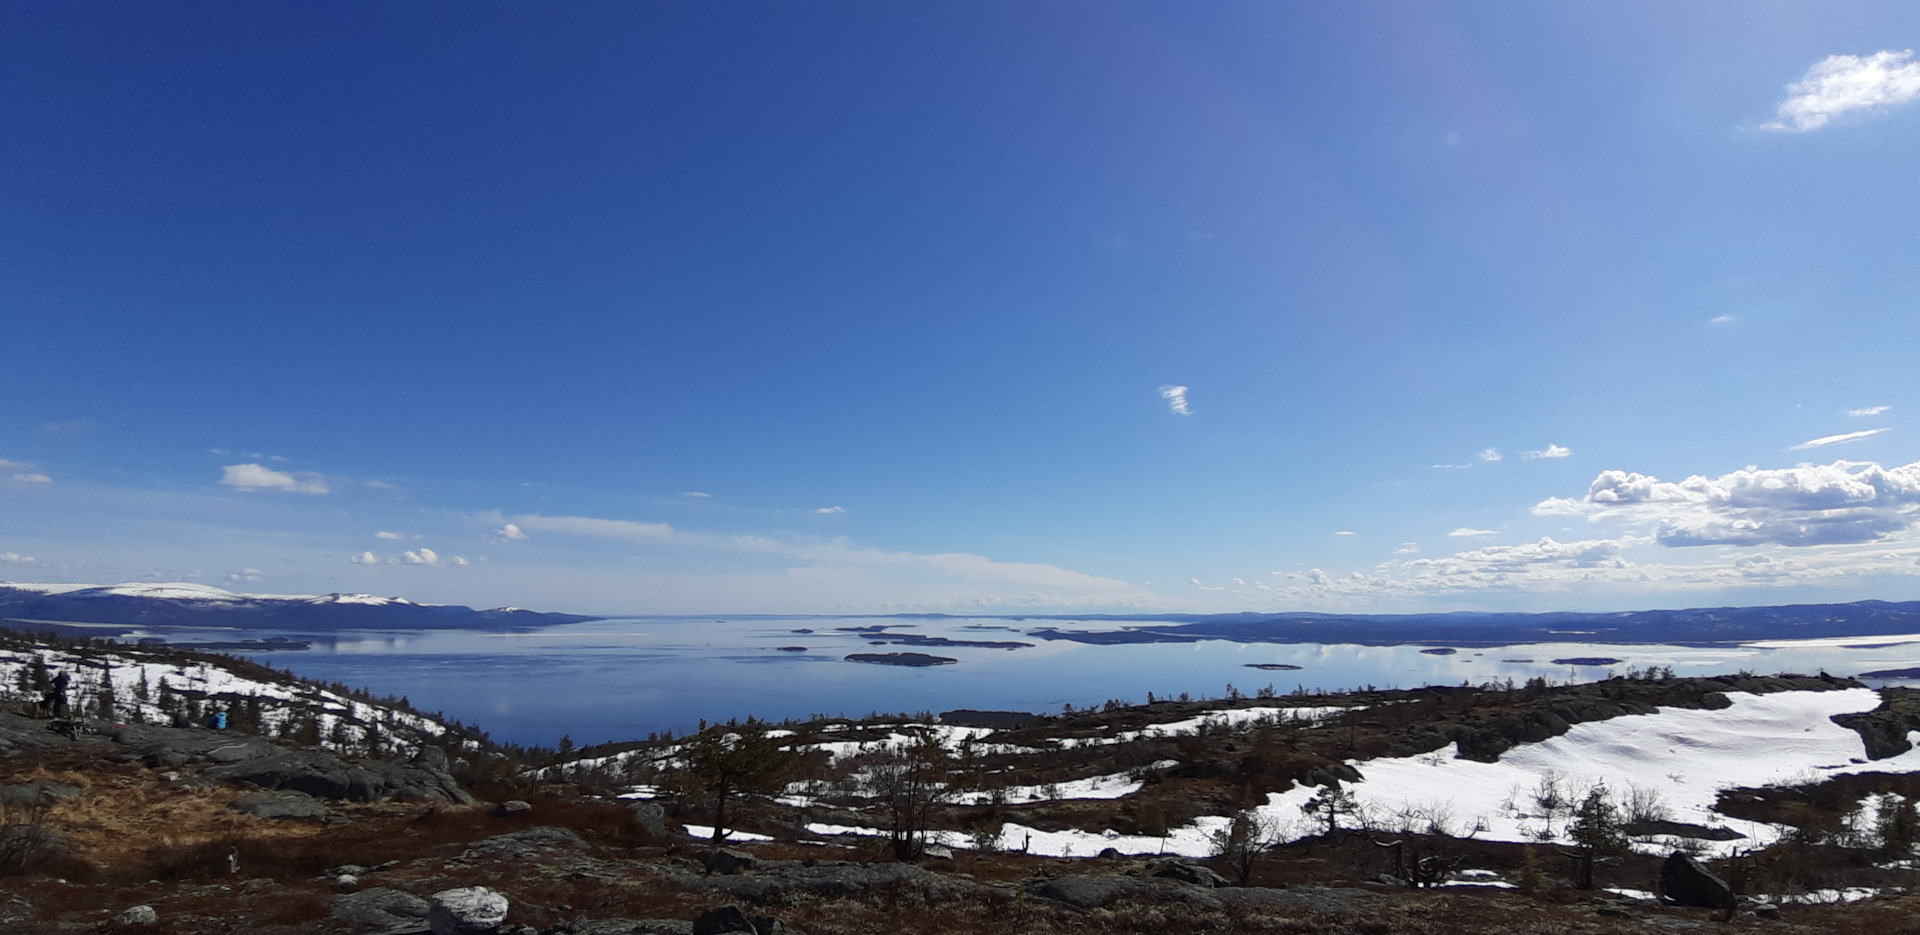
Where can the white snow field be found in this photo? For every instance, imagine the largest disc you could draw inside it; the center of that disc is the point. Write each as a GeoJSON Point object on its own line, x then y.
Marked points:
{"type": "Point", "coordinates": [1685, 755]}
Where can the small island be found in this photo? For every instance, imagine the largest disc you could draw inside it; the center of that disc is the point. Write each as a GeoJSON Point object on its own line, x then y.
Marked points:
{"type": "Point", "coordinates": [1587, 661]}
{"type": "Point", "coordinates": [791, 649]}
{"type": "Point", "coordinates": [1440, 651]}
{"type": "Point", "coordinates": [916, 660]}
{"type": "Point", "coordinates": [1272, 666]}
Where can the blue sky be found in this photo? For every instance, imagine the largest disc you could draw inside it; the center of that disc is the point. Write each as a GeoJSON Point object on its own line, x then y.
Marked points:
{"type": "Point", "coordinates": [688, 308]}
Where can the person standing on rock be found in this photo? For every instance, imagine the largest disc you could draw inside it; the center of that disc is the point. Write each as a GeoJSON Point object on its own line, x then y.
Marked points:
{"type": "Point", "coordinates": [57, 695]}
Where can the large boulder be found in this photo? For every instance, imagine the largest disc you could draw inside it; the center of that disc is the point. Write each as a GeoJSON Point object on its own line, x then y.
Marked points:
{"type": "Point", "coordinates": [650, 817]}
{"type": "Point", "coordinates": [468, 910]}
{"type": "Point", "coordinates": [724, 920]}
{"type": "Point", "coordinates": [1688, 882]}
{"type": "Point", "coordinates": [726, 861]}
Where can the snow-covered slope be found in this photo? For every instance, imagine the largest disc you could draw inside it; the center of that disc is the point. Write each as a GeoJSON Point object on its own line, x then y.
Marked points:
{"type": "Point", "coordinates": [133, 685]}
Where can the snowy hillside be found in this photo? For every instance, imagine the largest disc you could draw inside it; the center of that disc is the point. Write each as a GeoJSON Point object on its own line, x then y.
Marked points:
{"type": "Point", "coordinates": [160, 686]}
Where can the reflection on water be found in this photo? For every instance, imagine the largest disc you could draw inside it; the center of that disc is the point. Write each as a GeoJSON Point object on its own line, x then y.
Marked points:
{"type": "Point", "coordinates": [623, 678]}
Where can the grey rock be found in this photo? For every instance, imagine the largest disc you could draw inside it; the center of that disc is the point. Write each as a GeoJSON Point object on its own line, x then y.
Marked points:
{"type": "Point", "coordinates": [529, 845]}
{"type": "Point", "coordinates": [467, 910]}
{"type": "Point", "coordinates": [1185, 872]}
{"type": "Point", "coordinates": [138, 915]}
{"type": "Point", "coordinates": [37, 792]}
{"type": "Point", "coordinates": [1094, 891]}
{"type": "Point", "coordinates": [379, 907]}
{"type": "Point", "coordinates": [329, 777]}
{"type": "Point", "coordinates": [280, 804]}
{"type": "Point", "coordinates": [727, 861]}
{"type": "Point", "coordinates": [1687, 882]}
{"type": "Point", "coordinates": [512, 806]}
{"type": "Point", "coordinates": [937, 852]}
{"type": "Point", "coordinates": [344, 883]}
{"type": "Point", "coordinates": [650, 817]}
{"type": "Point", "coordinates": [723, 920]}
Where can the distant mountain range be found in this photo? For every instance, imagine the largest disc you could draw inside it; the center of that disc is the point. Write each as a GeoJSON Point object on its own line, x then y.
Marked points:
{"type": "Point", "coordinates": [164, 605]}
{"type": "Point", "coordinates": [1697, 626]}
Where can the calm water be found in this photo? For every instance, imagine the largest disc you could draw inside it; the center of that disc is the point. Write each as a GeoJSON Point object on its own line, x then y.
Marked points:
{"type": "Point", "coordinates": [623, 678]}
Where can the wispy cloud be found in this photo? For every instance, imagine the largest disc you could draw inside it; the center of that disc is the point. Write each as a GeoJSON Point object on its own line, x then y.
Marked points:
{"type": "Point", "coordinates": [384, 534]}
{"type": "Point", "coordinates": [380, 485]}
{"type": "Point", "coordinates": [1486, 456]}
{"type": "Point", "coordinates": [698, 495]}
{"type": "Point", "coordinates": [1841, 84]}
{"type": "Point", "coordinates": [509, 533]}
{"type": "Point", "coordinates": [831, 509]}
{"type": "Point", "coordinates": [1868, 411]}
{"type": "Point", "coordinates": [1720, 320]}
{"type": "Point", "coordinates": [1176, 397]}
{"type": "Point", "coordinates": [422, 556]}
{"type": "Point", "coordinates": [33, 477]}
{"type": "Point", "coordinates": [589, 526]}
{"type": "Point", "coordinates": [1468, 532]}
{"type": "Point", "coordinates": [1490, 454]}
{"type": "Point", "coordinates": [1408, 548]}
{"type": "Point", "coordinates": [253, 477]}
{"type": "Point", "coordinates": [16, 557]}
{"type": "Point", "coordinates": [1551, 451]}
{"type": "Point", "coordinates": [1841, 439]}
{"type": "Point", "coordinates": [365, 558]}
{"type": "Point", "coordinates": [1807, 505]}
{"type": "Point", "coordinates": [1345, 532]}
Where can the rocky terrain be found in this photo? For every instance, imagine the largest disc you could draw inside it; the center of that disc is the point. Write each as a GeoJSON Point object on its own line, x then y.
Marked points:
{"type": "Point", "coordinates": [327, 810]}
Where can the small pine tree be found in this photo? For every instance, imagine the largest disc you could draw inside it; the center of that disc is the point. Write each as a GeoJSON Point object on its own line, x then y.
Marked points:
{"type": "Point", "coordinates": [1596, 824]}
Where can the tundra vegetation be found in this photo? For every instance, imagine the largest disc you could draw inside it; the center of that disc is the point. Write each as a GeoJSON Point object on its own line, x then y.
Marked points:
{"type": "Point", "coordinates": [900, 823]}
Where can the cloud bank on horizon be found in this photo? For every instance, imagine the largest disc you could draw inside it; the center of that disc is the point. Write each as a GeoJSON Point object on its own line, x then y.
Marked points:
{"type": "Point", "coordinates": [1480, 329]}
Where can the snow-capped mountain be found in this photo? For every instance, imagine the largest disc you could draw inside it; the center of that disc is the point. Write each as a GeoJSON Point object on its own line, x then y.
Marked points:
{"type": "Point", "coordinates": [186, 604]}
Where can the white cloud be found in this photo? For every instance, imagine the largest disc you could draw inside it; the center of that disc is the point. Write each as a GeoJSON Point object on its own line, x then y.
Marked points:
{"type": "Point", "coordinates": [379, 485]}
{"type": "Point", "coordinates": [255, 477]}
{"type": "Point", "coordinates": [1491, 454]}
{"type": "Point", "coordinates": [461, 560]}
{"type": "Point", "coordinates": [365, 558]}
{"type": "Point", "coordinates": [1825, 440]}
{"type": "Point", "coordinates": [509, 533]}
{"type": "Point", "coordinates": [33, 478]}
{"type": "Point", "coordinates": [1551, 451]}
{"type": "Point", "coordinates": [1176, 397]}
{"type": "Point", "coordinates": [1467, 532]}
{"type": "Point", "coordinates": [1408, 548]}
{"type": "Point", "coordinates": [698, 495]}
{"type": "Point", "coordinates": [383, 534]}
{"type": "Point", "coordinates": [16, 557]}
{"type": "Point", "coordinates": [1868, 411]}
{"type": "Point", "coordinates": [1843, 83]}
{"type": "Point", "coordinates": [589, 526]}
{"type": "Point", "coordinates": [1345, 532]}
{"type": "Point", "coordinates": [248, 574]}
{"type": "Point", "coordinates": [831, 509]}
{"type": "Point", "coordinates": [1508, 558]}
{"type": "Point", "coordinates": [1720, 320]}
{"type": "Point", "coordinates": [1808, 505]}
{"type": "Point", "coordinates": [9, 465]}
{"type": "Point", "coordinates": [421, 556]}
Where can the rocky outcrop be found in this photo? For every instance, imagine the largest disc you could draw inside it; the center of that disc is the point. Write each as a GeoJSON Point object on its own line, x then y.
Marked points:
{"type": "Point", "coordinates": [725, 861]}
{"type": "Point", "coordinates": [326, 776]}
{"type": "Point", "coordinates": [280, 804]}
{"type": "Point", "coordinates": [1686, 881]}
{"type": "Point", "coordinates": [1883, 731]}
{"type": "Point", "coordinates": [174, 747]}
{"type": "Point", "coordinates": [529, 846]}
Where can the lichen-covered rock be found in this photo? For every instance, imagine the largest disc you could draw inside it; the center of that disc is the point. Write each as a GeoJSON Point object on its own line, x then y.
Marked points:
{"type": "Point", "coordinates": [467, 910]}
{"type": "Point", "coordinates": [726, 861]}
{"type": "Point", "coordinates": [138, 915]}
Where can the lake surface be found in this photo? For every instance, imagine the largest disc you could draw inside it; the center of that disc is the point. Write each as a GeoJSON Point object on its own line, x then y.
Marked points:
{"type": "Point", "coordinates": [623, 678]}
